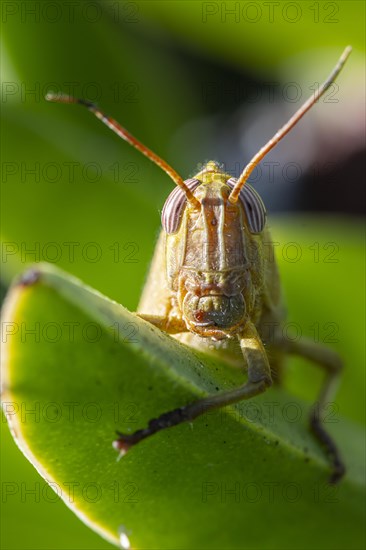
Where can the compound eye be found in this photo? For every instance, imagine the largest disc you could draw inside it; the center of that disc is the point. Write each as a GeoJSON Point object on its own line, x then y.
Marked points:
{"type": "Point", "coordinates": [253, 206]}
{"type": "Point", "coordinates": [172, 213]}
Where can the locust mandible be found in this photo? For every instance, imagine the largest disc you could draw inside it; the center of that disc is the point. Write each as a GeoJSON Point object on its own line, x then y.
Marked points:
{"type": "Point", "coordinates": [207, 287]}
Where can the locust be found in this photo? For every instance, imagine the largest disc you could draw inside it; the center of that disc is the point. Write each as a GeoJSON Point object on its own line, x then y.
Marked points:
{"type": "Point", "coordinates": [213, 282]}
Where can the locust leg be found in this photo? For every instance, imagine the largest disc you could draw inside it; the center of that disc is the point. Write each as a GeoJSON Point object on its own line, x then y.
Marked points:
{"type": "Point", "coordinates": [259, 378]}
{"type": "Point", "coordinates": [330, 361]}
{"type": "Point", "coordinates": [170, 326]}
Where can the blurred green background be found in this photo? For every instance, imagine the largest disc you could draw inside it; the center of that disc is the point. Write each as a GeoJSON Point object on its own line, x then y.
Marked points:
{"type": "Point", "coordinates": [194, 81]}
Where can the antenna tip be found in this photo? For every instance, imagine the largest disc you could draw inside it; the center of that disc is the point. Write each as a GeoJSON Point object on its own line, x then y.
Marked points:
{"type": "Point", "coordinates": [346, 52]}
{"type": "Point", "coordinates": [50, 96]}
{"type": "Point", "coordinates": [60, 98]}
{"type": "Point", "coordinates": [64, 98]}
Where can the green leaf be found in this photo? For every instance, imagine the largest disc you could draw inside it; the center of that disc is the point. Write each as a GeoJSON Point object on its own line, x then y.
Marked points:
{"type": "Point", "coordinates": [242, 477]}
{"type": "Point", "coordinates": [217, 29]}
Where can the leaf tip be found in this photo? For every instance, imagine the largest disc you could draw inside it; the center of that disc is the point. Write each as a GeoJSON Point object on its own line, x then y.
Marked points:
{"type": "Point", "coordinates": [29, 278]}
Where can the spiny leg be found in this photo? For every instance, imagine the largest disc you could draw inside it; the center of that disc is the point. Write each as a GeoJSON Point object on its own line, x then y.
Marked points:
{"type": "Point", "coordinates": [332, 363]}
{"type": "Point", "coordinates": [259, 378]}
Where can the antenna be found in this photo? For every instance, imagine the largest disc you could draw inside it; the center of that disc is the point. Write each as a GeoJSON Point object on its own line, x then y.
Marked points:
{"type": "Point", "coordinates": [233, 197]}
{"type": "Point", "coordinates": [124, 134]}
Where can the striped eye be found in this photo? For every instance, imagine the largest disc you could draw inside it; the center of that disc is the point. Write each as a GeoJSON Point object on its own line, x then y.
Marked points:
{"type": "Point", "coordinates": [174, 205]}
{"type": "Point", "coordinates": [253, 206]}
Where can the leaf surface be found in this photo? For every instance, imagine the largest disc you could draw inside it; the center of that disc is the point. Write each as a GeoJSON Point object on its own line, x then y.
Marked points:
{"type": "Point", "coordinates": [242, 477]}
